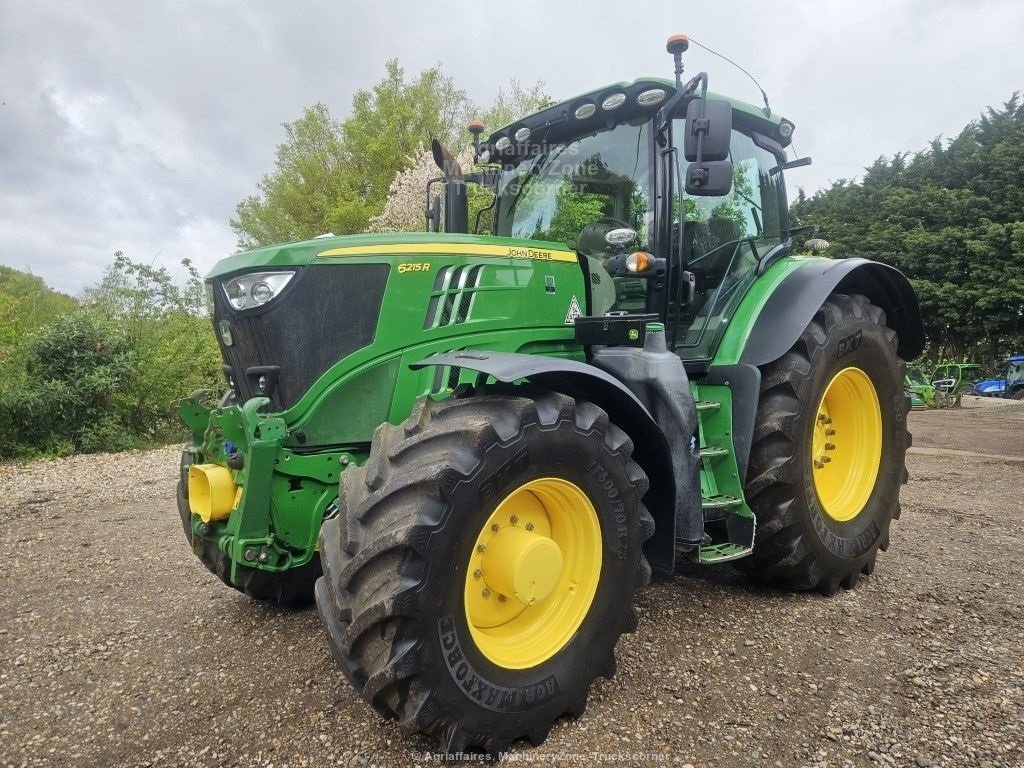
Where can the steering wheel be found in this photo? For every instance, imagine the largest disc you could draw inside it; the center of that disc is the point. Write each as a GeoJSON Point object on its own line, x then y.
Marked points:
{"type": "Point", "coordinates": [591, 241]}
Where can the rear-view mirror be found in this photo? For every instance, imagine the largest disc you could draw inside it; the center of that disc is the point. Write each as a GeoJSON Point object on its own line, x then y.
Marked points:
{"type": "Point", "coordinates": [716, 126]}
{"type": "Point", "coordinates": [709, 179]}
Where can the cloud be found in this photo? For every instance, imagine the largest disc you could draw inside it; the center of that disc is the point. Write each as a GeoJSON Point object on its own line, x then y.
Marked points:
{"type": "Point", "coordinates": [138, 126]}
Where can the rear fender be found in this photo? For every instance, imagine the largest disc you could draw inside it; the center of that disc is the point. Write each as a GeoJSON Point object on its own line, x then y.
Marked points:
{"type": "Point", "coordinates": [586, 382]}
{"type": "Point", "coordinates": [792, 306]}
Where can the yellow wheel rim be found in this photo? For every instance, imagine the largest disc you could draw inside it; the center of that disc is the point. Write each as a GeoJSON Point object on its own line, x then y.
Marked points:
{"type": "Point", "coordinates": [533, 573]}
{"type": "Point", "coordinates": [847, 444]}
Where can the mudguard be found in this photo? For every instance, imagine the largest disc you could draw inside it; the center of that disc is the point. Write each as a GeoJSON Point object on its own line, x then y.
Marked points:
{"type": "Point", "coordinates": [580, 380]}
{"type": "Point", "coordinates": [792, 306]}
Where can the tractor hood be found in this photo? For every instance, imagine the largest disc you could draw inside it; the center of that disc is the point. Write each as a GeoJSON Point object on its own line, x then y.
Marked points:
{"type": "Point", "coordinates": [990, 387]}
{"type": "Point", "coordinates": [399, 244]}
{"type": "Point", "coordinates": [286, 315]}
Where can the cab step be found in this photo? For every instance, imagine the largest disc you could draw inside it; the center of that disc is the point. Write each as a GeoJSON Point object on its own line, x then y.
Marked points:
{"type": "Point", "coordinates": [713, 451]}
{"type": "Point", "coordinates": [720, 502]}
{"type": "Point", "coordinates": [722, 553]}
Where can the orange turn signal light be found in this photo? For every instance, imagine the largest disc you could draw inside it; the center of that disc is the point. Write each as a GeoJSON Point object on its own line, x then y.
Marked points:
{"type": "Point", "coordinates": [638, 262]}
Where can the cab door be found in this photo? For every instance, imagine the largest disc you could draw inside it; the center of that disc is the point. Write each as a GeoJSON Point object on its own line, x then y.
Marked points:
{"type": "Point", "coordinates": [724, 238]}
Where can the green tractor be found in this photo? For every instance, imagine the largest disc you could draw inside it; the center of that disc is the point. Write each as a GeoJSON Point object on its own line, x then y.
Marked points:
{"type": "Point", "coordinates": [474, 449]}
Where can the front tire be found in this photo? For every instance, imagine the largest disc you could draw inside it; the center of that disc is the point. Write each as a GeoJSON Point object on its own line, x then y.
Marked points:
{"type": "Point", "coordinates": [828, 457]}
{"type": "Point", "coordinates": [416, 613]}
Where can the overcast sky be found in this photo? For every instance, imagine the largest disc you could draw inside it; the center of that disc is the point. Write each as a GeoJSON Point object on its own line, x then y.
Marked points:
{"type": "Point", "coordinates": [138, 126]}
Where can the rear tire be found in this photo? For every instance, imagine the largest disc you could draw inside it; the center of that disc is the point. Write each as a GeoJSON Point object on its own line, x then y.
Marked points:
{"type": "Point", "coordinates": [396, 593]}
{"type": "Point", "coordinates": [802, 543]}
{"type": "Point", "coordinates": [289, 589]}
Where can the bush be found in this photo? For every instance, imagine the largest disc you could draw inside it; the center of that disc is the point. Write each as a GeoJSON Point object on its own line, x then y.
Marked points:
{"type": "Point", "coordinates": [72, 393]}
{"type": "Point", "coordinates": [106, 377]}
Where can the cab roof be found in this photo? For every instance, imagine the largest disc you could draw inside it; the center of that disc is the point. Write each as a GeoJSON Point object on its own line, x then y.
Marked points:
{"type": "Point", "coordinates": [585, 114]}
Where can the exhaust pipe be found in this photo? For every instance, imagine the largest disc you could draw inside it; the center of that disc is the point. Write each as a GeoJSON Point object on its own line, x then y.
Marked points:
{"type": "Point", "coordinates": [456, 204]}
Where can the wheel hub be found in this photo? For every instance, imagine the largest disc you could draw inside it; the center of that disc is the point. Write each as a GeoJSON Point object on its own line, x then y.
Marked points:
{"type": "Point", "coordinates": [521, 563]}
{"type": "Point", "coordinates": [533, 573]}
{"type": "Point", "coordinates": [846, 444]}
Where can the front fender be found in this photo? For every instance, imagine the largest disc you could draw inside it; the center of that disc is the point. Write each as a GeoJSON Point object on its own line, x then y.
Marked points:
{"type": "Point", "coordinates": [792, 305]}
{"type": "Point", "coordinates": [587, 382]}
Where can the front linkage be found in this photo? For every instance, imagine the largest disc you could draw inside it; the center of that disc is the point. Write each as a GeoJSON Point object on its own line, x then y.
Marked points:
{"type": "Point", "coordinates": [248, 503]}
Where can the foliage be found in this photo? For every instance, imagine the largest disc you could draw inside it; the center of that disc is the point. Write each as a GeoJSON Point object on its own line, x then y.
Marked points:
{"type": "Point", "coordinates": [952, 219]}
{"type": "Point", "coordinates": [370, 171]}
{"type": "Point", "coordinates": [104, 376]}
{"type": "Point", "coordinates": [166, 323]}
{"type": "Point", "coordinates": [26, 304]}
{"type": "Point", "coordinates": [333, 177]}
{"type": "Point", "coordinates": [308, 193]}
{"type": "Point", "coordinates": [73, 395]}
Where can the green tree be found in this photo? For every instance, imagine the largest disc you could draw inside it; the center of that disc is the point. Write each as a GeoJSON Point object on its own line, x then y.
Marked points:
{"type": "Point", "coordinates": [310, 190]}
{"type": "Point", "coordinates": [164, 320]}
{"type": "Point", "coordinates": [952, 219]}
{"type": "Point", "coordinates": [513, 102]}
{"type": "Point", "coordinates": [331, 176]}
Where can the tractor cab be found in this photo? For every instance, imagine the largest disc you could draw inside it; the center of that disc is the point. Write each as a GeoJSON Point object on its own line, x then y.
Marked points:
{"type": "Point", "coordinates": [953, 378]}
{"type": "Point", "coordinates": [673, 198]}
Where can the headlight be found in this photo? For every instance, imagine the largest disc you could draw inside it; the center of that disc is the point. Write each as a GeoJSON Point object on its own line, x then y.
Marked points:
{"type": "Point", "coordinates": [255, 288]}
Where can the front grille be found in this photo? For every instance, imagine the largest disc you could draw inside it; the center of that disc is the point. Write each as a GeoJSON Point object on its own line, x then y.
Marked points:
{"type": "Point", "coordinates": [452, 298]}
{"type": "Point", "coordinates": [326, 313]}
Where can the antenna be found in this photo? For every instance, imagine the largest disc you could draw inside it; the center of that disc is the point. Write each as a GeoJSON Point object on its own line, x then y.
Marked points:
{"type": "Point", "coordinates": [676, 45]}
{"type": "Point", "coordinates": [767, 106]}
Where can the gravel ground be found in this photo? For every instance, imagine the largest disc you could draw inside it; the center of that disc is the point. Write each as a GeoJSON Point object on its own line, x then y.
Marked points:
{"type": "Point", "coordinates": [118, 648]}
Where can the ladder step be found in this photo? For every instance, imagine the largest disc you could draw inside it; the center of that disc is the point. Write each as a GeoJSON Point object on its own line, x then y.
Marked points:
{"type": "Point", "coordinates": [713, 451]}
{"type": "Point", "coordinates": [708, 405]}
{"type": "Point", "coordinates": [721, 553]}
{"type": "Point", "coordinates": [721, 501]}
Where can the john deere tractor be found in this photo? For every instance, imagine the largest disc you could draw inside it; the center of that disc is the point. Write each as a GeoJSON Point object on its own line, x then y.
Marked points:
{"type": "Point", "coordinates": [473, 449]}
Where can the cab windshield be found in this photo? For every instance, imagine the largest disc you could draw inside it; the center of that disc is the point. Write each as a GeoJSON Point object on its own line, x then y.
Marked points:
{"type": "Point", "coordinates": [916, 377]}
{"type": "Point", "coordinates": [574, 193]}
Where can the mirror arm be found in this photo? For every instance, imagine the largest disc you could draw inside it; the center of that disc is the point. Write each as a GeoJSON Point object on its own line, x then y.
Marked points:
{"type": "Point", "coordinates": [667, 111]}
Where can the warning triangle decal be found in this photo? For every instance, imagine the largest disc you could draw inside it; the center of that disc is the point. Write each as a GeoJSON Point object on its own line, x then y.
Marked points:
{"type": "Point", "coordinates": [574, 312]}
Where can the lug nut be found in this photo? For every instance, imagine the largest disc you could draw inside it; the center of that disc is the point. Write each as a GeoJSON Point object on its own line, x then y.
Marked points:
{"type": "Point", "coordinates": [826, 459]}
{"type": "Point", "coordinates": [829, 447]}
{"type": "Point", "coordinates": [529, 526]}
{"type": "Point", "coordinates": [477, 573]}
{"type": "Point", "coordinates": [502, 598]}
{"type": "Point", "coordinates": [495, 527]}
{"type": "Point", "coordinates": [818, 464]}
{"type": "Point", "coordinates": [481, 548]}
{"type": "Point", "coordinates": [829, 432]}
{"type": "Point", "coordinates": [514, 520]}
{"type": "Point", "coordinates": [486, 593]}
